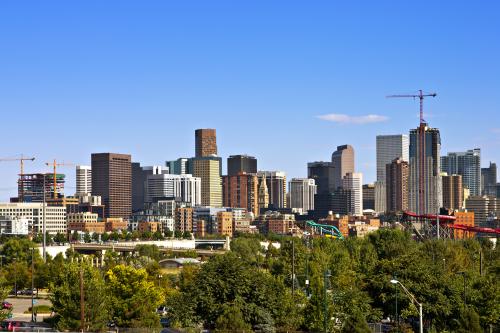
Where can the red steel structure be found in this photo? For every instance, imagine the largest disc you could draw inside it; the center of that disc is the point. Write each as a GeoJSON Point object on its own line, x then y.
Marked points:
{"type": "Point", "coordinates": [446, 221]}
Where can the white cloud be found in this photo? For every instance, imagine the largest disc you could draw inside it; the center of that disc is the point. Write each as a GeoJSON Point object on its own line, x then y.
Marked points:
{"type": "Point", "coordinates": [359, 120]}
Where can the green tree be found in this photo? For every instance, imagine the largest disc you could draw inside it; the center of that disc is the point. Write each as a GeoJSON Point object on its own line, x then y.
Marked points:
{"type": "Point", "coordinates": [18, 249]}
{"type": "Point", "coordinates": [105, 237]}
{"type": "Point", "coordinates": [65, 298]}
{"type": "Point", "coordinates": [157, 235]}
{"type": "Point", "coordinates": [128, 290]}
{"type": "Point", "coordinates": [150, 251]}
{"type": "Point", "coordinates": [356, 323]}
{"type": "Point", "coordinates": [168, 233]}
{"type": "Point", "coordinates": [231, 320]}
{"type": "Point", "coordinates": [95, 236]}
{"type": "Point", "coordinates": [186, 235]}
{"type": "Point", "coordinates": [178, 234]}
{"type": "Point", "coordinates": [60, 238]}
{"type": "Point", "coordinates": [469, 322]}
{"type": "Point", "coordinates": [87, 238]}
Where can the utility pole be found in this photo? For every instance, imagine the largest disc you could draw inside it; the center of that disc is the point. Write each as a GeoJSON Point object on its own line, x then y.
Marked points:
{"type": "Point", "coordinates": [43, 223]}
{"type": "Point", "coordinates": [32, 284]}
{"type": "Point", "coordinates": [293, 269]}
{"type": "Point", "coordinates": [82, 302]}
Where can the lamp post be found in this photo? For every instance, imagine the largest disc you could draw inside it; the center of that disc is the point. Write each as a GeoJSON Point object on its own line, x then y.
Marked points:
{"type": "Point", "coordinates": [414, 301]}
{"type": "Point", "coordinates": [32, 284]}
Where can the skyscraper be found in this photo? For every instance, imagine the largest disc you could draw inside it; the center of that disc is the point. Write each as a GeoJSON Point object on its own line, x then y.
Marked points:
{"type": "Point", "coordinates": [241, 163]}
{"type": "Point", "coordinates": [206, 142]}
{"type": "Point", "coordinates": [139, 175]}
{"type": "Point", "coordinates": [342, 164]}
{"type": "Point", "coordinates": [353, 182]}
{"type": "Point", "coordinates": [185, 188]}
{"type": "Point", "coordinates": [83, 180]}
{"type": "Point", "coordinates": [369, 196]}
{"type": "Point", "coordinates": [396, 181]}
{"type": "Point", "coordinates": [489, 180]}
{"type": "Point", "coordinates": [112, 180]}
{"type": "Point", "coordinates": [241, 191]}
{"type": "Point", "coordinates": [209, 170]}
{"type": "Point", "coordinates": [425, 179]}
{"type": "Point", "coordinates": [276, 185]}
{"type": "Point", "coordinates": [389, 148]}
{"type": "Point", "coordinates": [453, 192]}
{"type": "Point", "coordinates": [178, 167]}
{"type": "Point", "coordinates": [468, 165]}
{"type": "Point", "coordinates": [302, 191]}
{"type": "Point", "coordinates": [322, 173]}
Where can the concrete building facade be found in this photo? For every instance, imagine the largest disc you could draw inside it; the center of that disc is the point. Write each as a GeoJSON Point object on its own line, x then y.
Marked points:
{"type": "Point", "coordinates": [55, 216]}
{"type": "Point", "coordinates": [83, 180]}
{"type": "Point", "coordinates": [302, 192]}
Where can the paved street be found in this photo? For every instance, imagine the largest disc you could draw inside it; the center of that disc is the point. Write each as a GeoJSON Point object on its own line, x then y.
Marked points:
{"type": "Point", "coordinates": [22, 305]}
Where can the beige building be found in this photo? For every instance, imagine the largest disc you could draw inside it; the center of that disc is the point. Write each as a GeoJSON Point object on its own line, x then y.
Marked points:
{"type": "Point", "coordinates": [184, 219]}
{"type": "Point", "coordinates": [483, 207]}
{"type": "Point", "coordinates": [342, 163]}
{"type": "Point", "coordinates": [225, 223]}
{"type": "Point", "coordinates": [209, 170]}
{"type": "Point", "coordinates": [55, 216]}
{"type": "Point", "coordinates": [85, 222]}
{"type": "Point", "coordinates": [115, 223]}
{"type": "Point", "coordinates": [452, 192]}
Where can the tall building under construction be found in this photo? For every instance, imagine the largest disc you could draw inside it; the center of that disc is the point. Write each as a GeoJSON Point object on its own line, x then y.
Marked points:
{"type": "Point", "coordinates": [31, 187]}
{"type": "Point", "coordinates": [425, 192]}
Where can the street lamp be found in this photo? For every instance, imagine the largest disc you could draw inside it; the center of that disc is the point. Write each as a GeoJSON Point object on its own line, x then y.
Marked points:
{"type": "Point", "coordinates": [414, 301]}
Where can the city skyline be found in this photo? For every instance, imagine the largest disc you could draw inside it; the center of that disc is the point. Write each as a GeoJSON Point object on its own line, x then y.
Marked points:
{"type": "Point", "coordinates": [324, 89]}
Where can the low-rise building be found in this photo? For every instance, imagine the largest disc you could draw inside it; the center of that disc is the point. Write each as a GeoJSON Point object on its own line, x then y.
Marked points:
{"type": "Point", "coordinates": [115, 224]}
{"type": "Point", "coordinates": [149, 226]}
{"type": "Point", "coordinates": [11, 225]}
{"type": "Point", "coordinates": [464, 218]}
{"type": "Point", "coordinates": [85, 222]}
{"type": "Point", "coordinates": [225, 223]}
{"type": "Point", "coordinates": [55, 216]}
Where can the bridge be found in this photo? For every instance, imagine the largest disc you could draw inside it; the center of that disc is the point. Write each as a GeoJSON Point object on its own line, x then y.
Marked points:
{"type": "Point", "coordinates": [92, 248]}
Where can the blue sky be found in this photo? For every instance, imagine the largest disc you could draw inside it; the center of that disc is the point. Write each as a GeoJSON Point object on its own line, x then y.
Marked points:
{"type": "Point", "coordinates": [139, 76]}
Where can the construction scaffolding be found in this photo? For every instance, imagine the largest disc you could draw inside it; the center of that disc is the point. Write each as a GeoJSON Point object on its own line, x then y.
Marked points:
{"type": "Point", "coordinates": [31, 187]}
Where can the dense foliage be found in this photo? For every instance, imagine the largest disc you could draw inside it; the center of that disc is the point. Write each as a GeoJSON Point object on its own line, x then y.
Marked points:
{"type": "Point", "coordinates": [338, 285]}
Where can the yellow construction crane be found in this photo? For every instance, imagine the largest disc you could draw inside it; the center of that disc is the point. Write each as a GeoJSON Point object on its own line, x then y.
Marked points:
{"type": "Point", "coordinates": [54, 164]}
{"type": "Point", "coordinates": [21, 159]}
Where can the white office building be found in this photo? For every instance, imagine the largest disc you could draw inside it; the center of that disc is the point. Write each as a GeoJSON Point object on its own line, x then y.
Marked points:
{"type": "Point", "coordinates": [185, 187]}
{"type": "Point", "coordinates": [11, 225]}
{"type": "Point", "coordinates": [83, 180]}
{"type": "Point", "coordinates": [55, 216]}
{"type": "Point", "coordinates": [302, 191]}
{"type": "Point", "coordinates": [354, 183]}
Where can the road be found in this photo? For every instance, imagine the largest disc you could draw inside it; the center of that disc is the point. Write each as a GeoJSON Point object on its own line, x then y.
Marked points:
{"type": "Point", "coordinates": [22, 304]}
